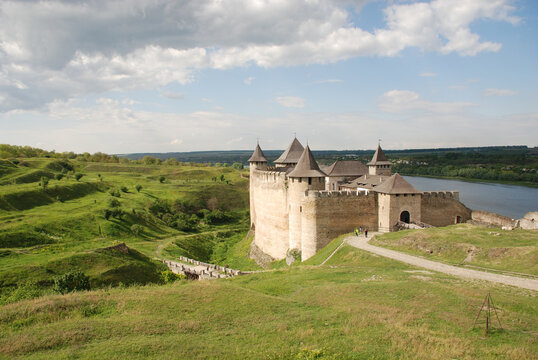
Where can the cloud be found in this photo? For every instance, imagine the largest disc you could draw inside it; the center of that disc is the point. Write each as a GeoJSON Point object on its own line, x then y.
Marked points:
{"type": "Point", "coordinates": [499, 92]}
{"type": "Point", "coordinates": [428, 74]}
{"type": "Point", "coordinates": [176, 142]}
{"type": "Point", "coordinates": [249, 80]}
{"type": "Point", "coordinates": [400, 101]}
{"type": "Point", "coordinates": [291, 101]}
{"type": "Point", "coordinates": [173, 95]}
{"type": "Point", "coordinates": [46, 53]}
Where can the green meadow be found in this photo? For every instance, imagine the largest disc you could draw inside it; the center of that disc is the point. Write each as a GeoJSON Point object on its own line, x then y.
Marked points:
{"type": "Point", "coordinates": [355, 306]}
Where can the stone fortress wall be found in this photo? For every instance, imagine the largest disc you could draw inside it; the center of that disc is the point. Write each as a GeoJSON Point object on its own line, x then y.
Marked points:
{"type": "Point", "coordinates": [442, 208]}
{"type": "Point", "coordinates": [328, 214]}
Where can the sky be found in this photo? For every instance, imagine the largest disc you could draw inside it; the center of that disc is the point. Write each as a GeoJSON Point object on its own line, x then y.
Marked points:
{"type": "Point", "coordinates": [124, 76]}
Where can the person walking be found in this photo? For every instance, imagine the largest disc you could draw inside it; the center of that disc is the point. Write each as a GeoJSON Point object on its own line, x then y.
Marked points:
{"type": "Point", "coordinates": [356, 232]}
{"type": "Point", "coordinates": [366, 233]}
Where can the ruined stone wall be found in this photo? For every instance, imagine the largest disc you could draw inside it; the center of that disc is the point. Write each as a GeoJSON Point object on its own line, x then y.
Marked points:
{"type": "Point", "coordinates": [328, 214]}
{"type": "Point", "coordinates": [391, 206]}
{"type": "Point", "coordinates": [269, 197]}
{"type": "Point", "coordinates": [442, 208]}
{"type": "Point", "coordinates": [490, 218]}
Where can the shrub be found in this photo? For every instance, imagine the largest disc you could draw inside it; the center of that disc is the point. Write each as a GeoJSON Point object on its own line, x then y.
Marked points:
{"type": "Point", "coordinates": [78, 176]}
{"type": "Point", "coordinates": [167, 276]}
{"type": "Point", "coordinates": [107, 213]}
{"type": "Point", "coordinates": [161, 179]}
{"type": "Point", "coordinates": [117, 213]}
{"type": "Point", "coordinates": [72, 281]}
{"type": "Point", "coordinates": [59, 177]}
{"type": "Point", "coordinates": [114, 192]}
{"type": "Point", "coordinates": [138, 188]}
{"type": "Point", "coordinates": [237, 166]}
{"type": "Point", "coordinates": [114, 203]}
{"type": "Point", "coordinates": [124, 189]}
{"type": "Point", "coordinates": [217, 217]}
{"type": "Point", "coordinates": [136, 229]}
{"type": "Point", "coordinates": [185, 223]}
{"type": "Point", "coordinates": [44, 182]}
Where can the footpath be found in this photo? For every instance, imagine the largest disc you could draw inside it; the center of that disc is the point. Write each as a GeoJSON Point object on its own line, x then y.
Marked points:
{"type": "Point", "coordinates": [361, 242]}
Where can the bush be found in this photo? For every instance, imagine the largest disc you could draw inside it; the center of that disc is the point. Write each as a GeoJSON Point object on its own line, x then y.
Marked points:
{"type": "Point", "coordinates": [185, 223]}
{"type": "Point", "coordinates": [115, 192]}
{"type": "Point", "coordinates": [136, 229]}
{"type": "Point", "coordinates": [72, 281]}
{"type": "Point", "coordinates": [59, 177]}
{"type": "Point", "coordinates": [217, 217]}
{"type": "Point", "coordinates": [117, 213]}
{"type": "Point", "coordinates": [107, 213]}
{"type": "Point", "coordinates": [138, 188]}
{"type": "Point", "coordinates": [237, 166]}
{"type": "Point", "coordinates": [168, 276]}
{"type": "Point", "coordinates": [78, 176]}
{"type": "Point", "coordinates": [161, 179]}
{"type": "Point", "coordinates": [114, 203]}
{"type": "Point", "coordinates": [124, 189]}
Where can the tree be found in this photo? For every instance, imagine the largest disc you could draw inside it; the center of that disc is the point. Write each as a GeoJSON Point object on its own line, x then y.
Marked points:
{"type": "Point", "coordinates": [138, 188]}
{"type": "Point", "coordinates": [237, 166]}
{"type": "Point", "coordinates": [114, 203]}
{"type": "Point", "coordinates": [221, 177]}
{"type": "Point", "coordinates": [78, 176]}
{"type": "Point", "coordinates": [161, 179]}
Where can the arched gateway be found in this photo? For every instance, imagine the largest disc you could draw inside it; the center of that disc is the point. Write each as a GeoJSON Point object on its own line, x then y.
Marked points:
{"type": "Point", "coordinates": [405, 217]}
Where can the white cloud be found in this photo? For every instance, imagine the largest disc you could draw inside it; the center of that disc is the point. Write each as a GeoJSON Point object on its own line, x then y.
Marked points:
{"type": "Point", "coordinates": [125, 44]}
{"type": "Point", "coordinates": [249, 80]}
{"type": "Point", "coordinates": [173, 95]}
{"type": "Point", "coordinates": [428, 74]}
{"type": "Point", "coordinates": [176, 142]}
{"type": "Point", "coordinates": [499, 92]}
{"type": "Point", "coordinates": [291, 101]}
{"type": "Point", "coordinates": [400, 101]}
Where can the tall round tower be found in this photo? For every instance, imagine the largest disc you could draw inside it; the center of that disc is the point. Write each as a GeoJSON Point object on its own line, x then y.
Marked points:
{"type": "Point", "coordinates": [257, 161]}
{"type": "Point", "coordinates": [305, 176]}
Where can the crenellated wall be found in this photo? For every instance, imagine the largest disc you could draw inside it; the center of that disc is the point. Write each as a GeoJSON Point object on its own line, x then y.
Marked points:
{"type": "Point", "coordinates": [328, 214]}
{"type": "Point", "coordinates": [269, 199]}
{"type": "Point", "coordinates": [442, 208]}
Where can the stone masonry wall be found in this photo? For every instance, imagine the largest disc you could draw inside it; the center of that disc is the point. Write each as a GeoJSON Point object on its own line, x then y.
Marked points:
{"type": "Point", "coordinates": [270, 199]}
{"type": "Point", "coordinates": [328, 214]}
{"type": "Point", "coordinates": [489, 218]}
{"type": "Point", "coordinates": [442, 208]}
{"type": "Point", "coordinates": [391, 206]}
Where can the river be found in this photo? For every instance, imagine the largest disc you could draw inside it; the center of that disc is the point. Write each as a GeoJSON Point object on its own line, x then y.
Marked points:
{"type": "Point", "coordinates": [508, 200]}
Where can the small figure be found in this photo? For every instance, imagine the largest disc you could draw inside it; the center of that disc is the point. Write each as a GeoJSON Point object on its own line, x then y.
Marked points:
{"type": "Point", "coordinates": [365, 232]}
{"type": "Point", "coordinates": [360, 230]}
{"type": "Point", "coordinates": [356, 232]}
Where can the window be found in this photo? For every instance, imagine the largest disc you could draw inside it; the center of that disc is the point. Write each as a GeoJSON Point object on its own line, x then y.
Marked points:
{"type": "Point", "coordinates": [309, 181]}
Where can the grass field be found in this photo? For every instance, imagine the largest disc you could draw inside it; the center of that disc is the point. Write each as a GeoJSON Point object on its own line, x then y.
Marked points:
{"type": "Point", "coordinates": [469, 245]}
{"type": "Point", "coordinates": [45, 233]}
{"type": "Point", "coordinates": [356, 306]}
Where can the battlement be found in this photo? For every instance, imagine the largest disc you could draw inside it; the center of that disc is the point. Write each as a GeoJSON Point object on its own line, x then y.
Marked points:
{"type": "Point", "coordinates": [337, 193]}
{"type": "Point", "coordinates": [445, 194]}
{"type": "Point", "coordinates": [269, 175]}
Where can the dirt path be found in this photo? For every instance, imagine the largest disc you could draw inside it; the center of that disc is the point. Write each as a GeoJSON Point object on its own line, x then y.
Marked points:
{"type": "Point", "coordinates": [362, 243]}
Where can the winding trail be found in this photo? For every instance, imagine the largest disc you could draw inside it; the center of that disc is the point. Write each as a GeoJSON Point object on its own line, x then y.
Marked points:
{"type": "Point", "coordinates": [361, 242]}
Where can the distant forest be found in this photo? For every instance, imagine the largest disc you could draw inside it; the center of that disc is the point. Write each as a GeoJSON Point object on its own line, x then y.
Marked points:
{"type": "Point", "coordinates": [511, 164]}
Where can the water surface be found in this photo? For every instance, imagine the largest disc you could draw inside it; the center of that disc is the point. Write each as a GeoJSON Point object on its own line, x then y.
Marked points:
{"type": "Point", "coordinates": [508, 200]}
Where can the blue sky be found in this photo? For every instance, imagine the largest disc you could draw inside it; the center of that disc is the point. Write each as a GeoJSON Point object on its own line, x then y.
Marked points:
{"type": "Point", "coordinates": [157, 76]}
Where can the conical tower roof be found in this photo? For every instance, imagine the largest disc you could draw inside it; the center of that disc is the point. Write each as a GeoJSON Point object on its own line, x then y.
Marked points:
{"type": "Point", "coordinates": [307, 166]}
{"type": "Point", "coordinates": [257, 155]}
{"type": "Point", "coordinates": [396, 184]}
{"type": "Point", "coordinates": [292, 153]}
{"type": "Point", "coordinates": [379, 157]}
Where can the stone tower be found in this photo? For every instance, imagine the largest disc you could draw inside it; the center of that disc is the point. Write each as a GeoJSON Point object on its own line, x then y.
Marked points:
{"type": "Point", "coordinates": [291, 156]}
{"type": "Point", "coordinates": [306, 176]}
{"type": "Point", "coordinates": [379, 165]}
{"type": "Point", "coordinates": [257, 161]}
{"type": "Point", "coordinates": [397, 201]}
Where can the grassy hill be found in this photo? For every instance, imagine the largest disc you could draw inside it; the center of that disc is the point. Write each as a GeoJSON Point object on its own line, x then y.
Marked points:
{"type": "Point", "coordinates": [45, 232]}
{"type": "Point", "coordinates": [357, 306]}
{"type": "Point", "coordinates": [472, 246]}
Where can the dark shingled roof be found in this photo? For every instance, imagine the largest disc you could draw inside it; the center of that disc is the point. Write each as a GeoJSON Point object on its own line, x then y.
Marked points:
{"type": "Point", "coordinates": [257, 155]}
{"type": "Point", "coordinates": [379, 157]}
{"type": "Point", "coordinates": [396, 185]}
{"type": "Point", "coordinates": [307, 166]}
{"type": "Point", "coordinates": [292, 153]}
{"type": "Point", "coordinates": [347, 168]}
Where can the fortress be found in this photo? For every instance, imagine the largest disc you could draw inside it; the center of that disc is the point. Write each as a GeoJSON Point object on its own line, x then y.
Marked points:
{"type": "Point", "coordinates": [296, 205]}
